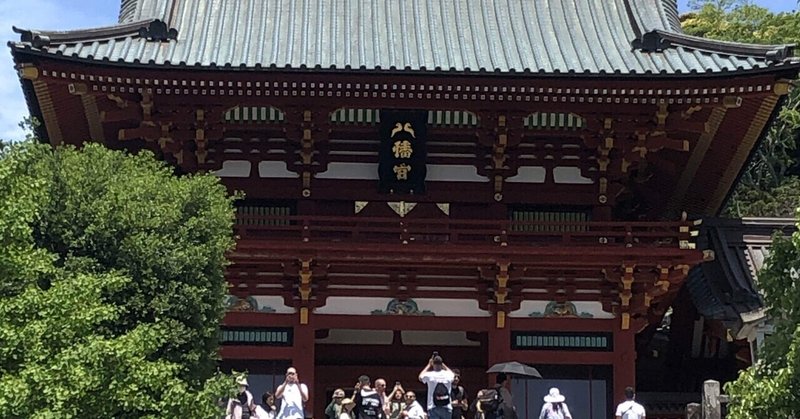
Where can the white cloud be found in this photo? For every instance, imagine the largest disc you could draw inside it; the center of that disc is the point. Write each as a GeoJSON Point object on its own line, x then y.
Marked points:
{"type": "Point", "coordinates": [46, 15]}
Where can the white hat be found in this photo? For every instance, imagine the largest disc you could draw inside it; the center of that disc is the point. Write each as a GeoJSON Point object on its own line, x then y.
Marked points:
{"type": "Point", "coordinates": [242, 381]}
{"type": "Point", "coordinates": [554, 396]}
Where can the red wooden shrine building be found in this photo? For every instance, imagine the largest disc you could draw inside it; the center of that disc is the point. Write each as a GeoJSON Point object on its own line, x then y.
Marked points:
{"type": "Point", "coordinates": [495, 180]}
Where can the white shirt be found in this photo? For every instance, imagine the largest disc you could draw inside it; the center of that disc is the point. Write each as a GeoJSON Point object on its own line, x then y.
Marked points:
{"type": "Point", "coordinates": [431, 378]}
{"type": "Point", "coordinates": [630, 410]}
{"type": "Point", "coordinates": [263, 413]}
{"type": "Point", "coordinates": [549, 413]}
{"type": "Point", "coordinates": [292, 403]}
{"type": "Point", "coordinates": [415, 411]}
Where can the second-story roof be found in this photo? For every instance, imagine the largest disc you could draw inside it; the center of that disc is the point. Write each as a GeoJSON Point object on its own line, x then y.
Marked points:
{"type": "Point", "coordinates": [594, 37]}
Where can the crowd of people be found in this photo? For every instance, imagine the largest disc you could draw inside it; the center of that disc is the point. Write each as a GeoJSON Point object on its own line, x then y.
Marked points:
{"type": "Point", "coordinates": [446, 399]}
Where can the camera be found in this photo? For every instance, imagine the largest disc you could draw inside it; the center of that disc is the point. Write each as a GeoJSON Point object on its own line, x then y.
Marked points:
{"type": "Point", "coordinates": [435, 353]}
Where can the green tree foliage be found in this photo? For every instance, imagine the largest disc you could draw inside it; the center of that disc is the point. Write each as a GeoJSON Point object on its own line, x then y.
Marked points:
{"type": "Point", "coordinates": [769, 185]}
{"type": "Point", "coordinates": [111, 285]}
{"type": "Point", "coordinates": [771, 388]}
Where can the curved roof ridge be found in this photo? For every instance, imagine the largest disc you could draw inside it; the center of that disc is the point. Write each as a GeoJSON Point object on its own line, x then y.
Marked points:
{"type": "Point", "coordinates": [44, 37]}
{"type": "Point", "coordinates": [670, 11]}
{"type": "Point", "coordinates": [658, 40]}
{"type": "Point", "coordinates": [648, 15]}
{"type": "Point", "coordinates": [136, 10]}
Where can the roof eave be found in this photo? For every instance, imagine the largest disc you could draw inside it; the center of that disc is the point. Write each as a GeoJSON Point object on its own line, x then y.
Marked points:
{"type": "Point", "coordinates": [82, 35]}
{"type": "Point", "coordinates": [787, 67]}
{"type": "Point", "coordinates": [658, 40]}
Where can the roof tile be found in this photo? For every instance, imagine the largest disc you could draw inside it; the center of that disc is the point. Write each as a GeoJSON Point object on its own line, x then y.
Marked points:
{"type": "Point", "coordinates": [540, 36]}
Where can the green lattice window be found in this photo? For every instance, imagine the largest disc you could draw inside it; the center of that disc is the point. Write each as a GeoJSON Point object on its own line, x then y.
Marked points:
{"type": "Point", "coordinates": [260, 336]}
{"type": "Point", "coordinates": [358, 116]}
{"type": "Point", "coordinates": [257, 215]}
{"type": "Point", "coordinates": [452, 119]}
{"type": "Point", "coordinates": [554, 121]}
{"type": "Point", "coordinates": [254, 115]}
{"type": "Point", "coordinates": [548, 221]}
{"type": "Point", "coordinates": [567, 341]}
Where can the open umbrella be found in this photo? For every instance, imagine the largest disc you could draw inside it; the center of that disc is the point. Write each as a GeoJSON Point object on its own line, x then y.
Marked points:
{"type": "Point", "coordinates": [515, 368]}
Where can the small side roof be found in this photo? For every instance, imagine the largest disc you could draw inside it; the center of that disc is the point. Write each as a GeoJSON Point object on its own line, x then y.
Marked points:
{"type": "Point", "coordinates": [548, 37]}
{"type": "Point", "coordinates": [726, 288]}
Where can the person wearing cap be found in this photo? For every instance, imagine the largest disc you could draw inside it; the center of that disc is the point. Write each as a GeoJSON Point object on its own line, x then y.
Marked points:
{"type": "Point", "coordinates": [241, 406]}
{"type": "Point", "coordinates": [629, 409]}
{"type": "Point", "coordinates": [555, 406]}
{"type": "Point", "coordinates": [334, 409]}
{"type": "Point", "coordinates": [435, 373]}
{"type": "Point", "coordinates": [293, 394]}
{"type": "Point", "coordinates": [347, 409]}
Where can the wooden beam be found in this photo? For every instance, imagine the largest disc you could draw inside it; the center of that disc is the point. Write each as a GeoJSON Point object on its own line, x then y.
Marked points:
{"type": "Point", "coordinates": [697, 156]}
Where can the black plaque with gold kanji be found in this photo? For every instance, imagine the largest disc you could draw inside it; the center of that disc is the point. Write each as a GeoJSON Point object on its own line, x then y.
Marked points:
{"type": "Point", "coordinates": [403, 152]}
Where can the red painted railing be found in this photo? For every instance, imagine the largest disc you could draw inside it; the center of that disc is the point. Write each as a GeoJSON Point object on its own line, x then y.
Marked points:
{"type": "Point", "coordinates": [450, 231]}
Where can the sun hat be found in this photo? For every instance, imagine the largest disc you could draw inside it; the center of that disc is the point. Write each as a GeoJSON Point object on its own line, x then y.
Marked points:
{"type": "Point", "coordinates": [348, 402]}
{"type": "Point", "coordinates": [554, 396]}
{"type": "Point", "coordinates": [242, 381]}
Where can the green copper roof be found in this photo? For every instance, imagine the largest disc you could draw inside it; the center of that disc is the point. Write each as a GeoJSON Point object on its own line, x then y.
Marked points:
{"type": "Point", "coordinates": [625, 37]}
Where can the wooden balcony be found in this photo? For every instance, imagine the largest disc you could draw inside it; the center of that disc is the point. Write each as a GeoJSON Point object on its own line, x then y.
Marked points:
{"type": "Point", "coordinates": [582, 261]}
{"type": "Point", "coordinates": [453, 232]}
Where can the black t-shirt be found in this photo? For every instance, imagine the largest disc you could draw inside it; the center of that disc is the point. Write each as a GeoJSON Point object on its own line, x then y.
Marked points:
{"type": "Point", "coordinates": [368, 405]}
{"type": "Point", "coordinates": [456, 395]}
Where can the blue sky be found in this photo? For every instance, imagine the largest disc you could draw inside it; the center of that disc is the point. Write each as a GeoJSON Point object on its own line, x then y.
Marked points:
{"type": "Point", "coordinates": [73, 14]}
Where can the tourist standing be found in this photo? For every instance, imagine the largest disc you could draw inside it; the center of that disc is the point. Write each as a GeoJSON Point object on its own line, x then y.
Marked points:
{"type": "Point", "coordinates": [413, 409]}
{"type": "Point", "coordinates": [458, 396]}
{"type": "Point", "coordinates": [241, 406]}
{"type": "Point", "coordinates": [334, 409]}
{"type": "Point", "coordinates": [629, 409]}
{"type": "Point", "coordinates": [368, 401]}
{"type": "Point", "coordinates": [439, 380]}
{"type": "Point", "coordinates": [292, 394]}
{"type": "Point", "coordinates": [396, 401]}
{"type": "Point", "coordinates": [380, 388]}
{"type": "Point", "coordinates": [503, 385]}
{"type": "Point", "coordinates": [554, 406]}
{"type": "Point", "coordinates": [267, 410]}
{"type": "Point", "coordinates": [347, 409]}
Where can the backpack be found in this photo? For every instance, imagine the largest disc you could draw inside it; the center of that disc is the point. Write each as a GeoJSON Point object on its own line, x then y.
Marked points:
{"type": "Point", "coordinates": [441, 397]}
{"type": "Point", "coordinates": [489, 400]}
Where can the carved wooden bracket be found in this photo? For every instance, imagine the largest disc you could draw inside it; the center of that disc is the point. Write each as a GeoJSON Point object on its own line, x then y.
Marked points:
{"type": "Point", "coordinates": [200, 140]}
{"type": "Point", "coordinates": [500, 302]}
{"type": "Point", "coordinates": [305, 276]}
{"type": "Point", "coordinates": [603, 160]}
{"type": "Point", "coordinates": [625, 295]}
{"type": "Point", "coordinates": [499, 157]}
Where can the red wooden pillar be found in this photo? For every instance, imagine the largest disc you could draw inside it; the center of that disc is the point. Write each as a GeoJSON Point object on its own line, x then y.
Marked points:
{"type": "Point", "coordinates": [303, 359]}
{"type": "Point", "coordinates": [624, 362]}
{"type": "Point", "coordinates": [499, 342]}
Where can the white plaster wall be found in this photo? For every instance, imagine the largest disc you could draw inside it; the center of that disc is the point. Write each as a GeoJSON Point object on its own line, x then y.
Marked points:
{"type": "Point", "coordinates": [593, 307]}
{"type": "Point", "coordinates": [234, 168]}
{"type": "Point", "coordinates": [353, 305]}
{"type": "Point", "coordinates": [274, 302]}
{"type": "Point", "coordinates": [276, 170]}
